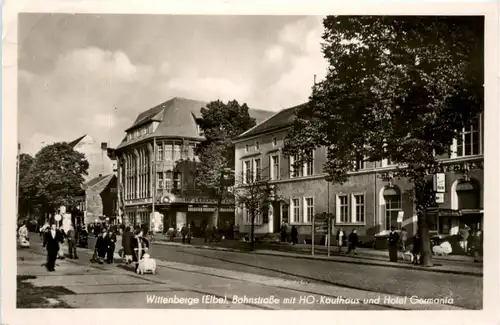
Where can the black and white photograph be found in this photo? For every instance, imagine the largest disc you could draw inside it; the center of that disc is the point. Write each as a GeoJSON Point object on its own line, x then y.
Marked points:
{"type": "Point", "coordinates": [252, 162]}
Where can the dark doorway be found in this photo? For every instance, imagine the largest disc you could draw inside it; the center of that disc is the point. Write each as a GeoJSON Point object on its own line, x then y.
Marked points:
{"type": "Point", "coordinates": [276, 217]}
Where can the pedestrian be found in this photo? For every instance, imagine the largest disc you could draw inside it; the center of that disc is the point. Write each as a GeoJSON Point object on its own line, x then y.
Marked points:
{"type": "Point", "coordinates": [416, 248]}
{"type": "Point", "coordinates": [139, 245]}
{"type": "Point", "coordinates": [215, 237]}
{"type": "Point", "coordinates": [101, 246]}
{"type": "Point", "coordinates": [184, 233]}
{"type": "Point", "coordinates": [52, 241]}
{"type": "Point", "coordinates": [283, 232]}
{"type": "Point", "coordinates": [111, 245]}
{"type": "Point", "coordinates": [127, 239]}
{"type": "Point", "coordinates": [404, 238]}
{"type": "Point", "coordinates": [353, 242]}
{"type": "Point", "coordinates": [72, 240]}
{"type": "Point", "coordinates": [208, 234]}
{"type": "Point", "coordinates": [295, 235]}
{"type": "Point", "coordinates": [340, 239]}
{"type": "Point", "coordinates": [189, 234]}
{"type": "Point", "coordinates": [464, 235]}
{"type": "Point", "coordinates": [393, 245]}
{"type": "Point", "coordinates": [23, 232]}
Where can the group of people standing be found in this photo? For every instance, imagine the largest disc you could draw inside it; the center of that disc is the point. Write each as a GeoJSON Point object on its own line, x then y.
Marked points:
{"type": "Point", "coordinates": [351, 241]}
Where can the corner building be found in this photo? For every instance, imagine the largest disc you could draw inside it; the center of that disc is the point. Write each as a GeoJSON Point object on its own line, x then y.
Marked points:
{"type": "Point", "coordinates": [157, 168]}
{"type": "Point", "coordinates": [367, 202]}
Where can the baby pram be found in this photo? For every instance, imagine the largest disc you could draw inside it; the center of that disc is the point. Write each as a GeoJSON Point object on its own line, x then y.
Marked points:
{"type": "Point", "coordinates": [24, 242]}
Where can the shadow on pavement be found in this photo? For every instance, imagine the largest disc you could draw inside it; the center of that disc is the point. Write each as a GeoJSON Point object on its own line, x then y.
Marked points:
{"type": "Point", "coordinates": [30, 296]}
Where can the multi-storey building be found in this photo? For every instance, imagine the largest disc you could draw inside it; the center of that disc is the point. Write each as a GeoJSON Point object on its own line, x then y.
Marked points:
{"type": "Point", "coordinates": [99, 197]}
{"type": "Point", "coordinates": [96, 154]}
{"type": "Point", "coordinates": [366, 202]}
{"type": "Point", "coordinates": [157, 165]}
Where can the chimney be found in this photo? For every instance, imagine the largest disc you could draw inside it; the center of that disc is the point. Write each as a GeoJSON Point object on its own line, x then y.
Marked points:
{"type": "Point", "coordinates": [100, 175]}
{"type": "Point", "coordinates": [104, 145]}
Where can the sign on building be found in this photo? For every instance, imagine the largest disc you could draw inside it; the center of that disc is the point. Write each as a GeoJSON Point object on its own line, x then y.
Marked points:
{"type": "Point", "coordinates": [401, 215]}
{"type": "Point", "coordinates": [439, 197]}
{"type": "Point", "coordinates": [439, 183]}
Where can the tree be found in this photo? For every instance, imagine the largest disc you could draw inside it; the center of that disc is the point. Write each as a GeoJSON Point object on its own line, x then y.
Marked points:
{"type": "Point", "coordinates": [397, 88]}
{"type": "Point", "coordinates": [215, 171]}
{"type": "Point", "coordinates": [26, 196]}
{"type": "Point", "coordinates": [56, 177]}
{"type": "Point", "coordinates": [255, 193]}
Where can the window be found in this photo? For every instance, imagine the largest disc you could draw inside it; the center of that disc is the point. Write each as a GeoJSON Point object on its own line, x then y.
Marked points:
{"type": "Point", "coordinates": [247, 216]}
{"type": "Point", "coordinates": [177, 152]}
{"type": "Point", "coordinates": [294, 172]}
{"type": "Point", "coordinates": [177, 181]}
{"type": "Point", "coordinates": [168, 181]}
{"type": "Point", "coordinates": [308, 166]}
{"type": "Point", "coordinates": [159, 180]}
{"type": "Point", "coordinates": [343, 208]}
{"type": "Point", "coordinates": [168, 151]}
{"type": "Point", "coordinates": [359, 208]}
{"type": "Point", "coordinates": [275, 142]}
{"type": "Point", "coordinates": [257, 169]}
{"type": "Point", "coordinates": [246, 148]}
{"type": "Point", "coordinates": [359, 163]}
{"type": "Point", "coordinates": [247, 172]}
{"type": "Point", "coordinates": [295, 218]}
{"type": "Point", "coordinates": [159, 152]}
{"type": "Point", "coordinates": [467, 143]}
{"type": "Point", "coordinates": [309, 209]}
{"type": "Point", "coordinates": [275, 167]}
{"type": "Point", "coordinates": [257, 145]}
{"type": "Point", "coordinates": [392, 208]}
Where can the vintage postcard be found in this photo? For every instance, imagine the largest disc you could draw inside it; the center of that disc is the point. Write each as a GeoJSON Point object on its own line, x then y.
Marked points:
{"type": "Point", "coordinates": [175, 161]}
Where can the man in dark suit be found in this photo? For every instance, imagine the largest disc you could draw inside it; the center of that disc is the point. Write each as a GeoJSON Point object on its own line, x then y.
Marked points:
{"type": "Point", "coordinates": [52, 240]}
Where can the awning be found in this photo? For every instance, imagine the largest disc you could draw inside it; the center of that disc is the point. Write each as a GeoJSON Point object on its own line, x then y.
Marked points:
{"type": "Point", "coordinates": [466, 186]}
{"type": "Point", "coordinates": [391, 191]}
{"type": "Point", "coordinates": [471, 211]}
{"type": "Point", "coordinates": [445, 212]}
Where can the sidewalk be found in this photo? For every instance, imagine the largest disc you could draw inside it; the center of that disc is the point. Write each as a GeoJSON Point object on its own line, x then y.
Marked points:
{"type": "Point", "coordinates": [365, 256]}
{"type": "Point", "coordinates": [75, 283]}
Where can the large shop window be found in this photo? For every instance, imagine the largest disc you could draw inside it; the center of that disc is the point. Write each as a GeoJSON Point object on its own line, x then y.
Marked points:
{"type": "Point", "coordinates": [392, 197]}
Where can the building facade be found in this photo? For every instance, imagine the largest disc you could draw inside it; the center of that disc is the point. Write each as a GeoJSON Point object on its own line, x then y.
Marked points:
{"type": "Point", "coordinates": [96, 155]}
{"type": "Point", "coordinates": [371, 201]}
{"type": "Point", "coordinates": [157, 168]}
{"type": "Point", "coordinates": [98, 204]}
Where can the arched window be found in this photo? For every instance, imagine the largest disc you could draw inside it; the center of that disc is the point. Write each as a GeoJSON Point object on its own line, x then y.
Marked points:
{"type": "Point", "coordinates": [392, 197]}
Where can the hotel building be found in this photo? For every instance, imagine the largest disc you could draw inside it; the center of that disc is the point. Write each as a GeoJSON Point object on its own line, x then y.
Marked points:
{"type": "Point", "coordinates": [369, 201]}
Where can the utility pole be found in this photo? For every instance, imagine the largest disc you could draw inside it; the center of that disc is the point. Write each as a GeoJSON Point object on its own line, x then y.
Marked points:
{"type": "Point", "coordinates": [329, 233]}
{"type": "Point", "coordinates": [153, 185]}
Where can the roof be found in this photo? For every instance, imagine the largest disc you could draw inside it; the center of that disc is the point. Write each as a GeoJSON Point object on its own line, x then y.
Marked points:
{"type": "Point", "coordinates": [75, 142]}
{"type": "Point", "coordinates": [177, 119]}
{"type": "Point", "coordinates": [282, 119]}
{"type": "Point", "coordinates": [96, 180]}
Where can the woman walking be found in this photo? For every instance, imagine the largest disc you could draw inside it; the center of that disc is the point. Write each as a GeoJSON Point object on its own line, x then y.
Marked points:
{"type": "Point", "coordinates": [139, 245]}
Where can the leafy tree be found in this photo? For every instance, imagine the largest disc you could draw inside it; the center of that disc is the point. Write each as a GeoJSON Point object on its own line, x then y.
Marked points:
{"type": "Point", "coordinates": [254, 194]}
{"type": "Point", "coordinates": [56, 177]}
{"type": "Point", "coordinates": [397, 88]}
{"type": "Point", "coordinates": [25, 198]}
{"type": "Point", "coordinates": [215, 171]}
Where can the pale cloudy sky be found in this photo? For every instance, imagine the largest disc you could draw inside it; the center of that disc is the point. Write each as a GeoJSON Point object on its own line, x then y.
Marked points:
{"type": "Point", "coordinates": [73, 69]}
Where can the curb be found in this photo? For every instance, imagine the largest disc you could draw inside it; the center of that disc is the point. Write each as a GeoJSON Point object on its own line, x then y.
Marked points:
{"type": "Point", "coordinates": [400, 266]}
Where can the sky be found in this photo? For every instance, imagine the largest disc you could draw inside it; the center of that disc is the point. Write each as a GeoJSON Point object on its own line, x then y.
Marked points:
{"type": "Point", "coordinates": [74, 69]}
